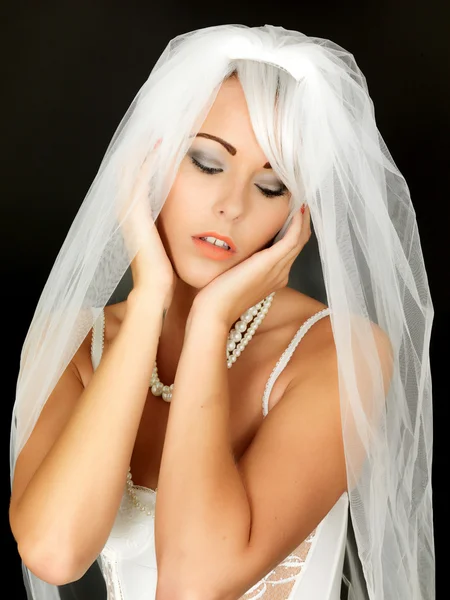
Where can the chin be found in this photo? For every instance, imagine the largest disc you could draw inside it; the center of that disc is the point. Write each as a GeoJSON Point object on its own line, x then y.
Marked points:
{"type": "Point", "coordinates": [196, 273]}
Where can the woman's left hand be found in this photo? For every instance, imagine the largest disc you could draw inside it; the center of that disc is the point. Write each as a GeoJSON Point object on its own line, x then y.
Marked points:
{"type": "Point", "coordinates": [244, 285]}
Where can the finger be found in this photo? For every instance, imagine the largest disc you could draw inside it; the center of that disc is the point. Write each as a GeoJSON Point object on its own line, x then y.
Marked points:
{"type": "Point", "coordinates": [291, 240]}
{"type": "Point", "coordinates": [296, 239]}
{"type": "Point", "coordinates": [283, 251]}
{"type": "Point", "coordinates": [135, 213]}
{"type": "Point", "coordinates": [302, 231]}
{"type": "Point", "coordinates": [137, 180]}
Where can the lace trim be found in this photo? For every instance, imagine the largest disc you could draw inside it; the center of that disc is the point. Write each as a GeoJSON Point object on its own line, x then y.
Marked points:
{"type": "Point", "coordinates": [278, 584]}
{"type": "Point", "coordinates": [111, 576]}
{"type": "Point", "coordinates": [97, 341]}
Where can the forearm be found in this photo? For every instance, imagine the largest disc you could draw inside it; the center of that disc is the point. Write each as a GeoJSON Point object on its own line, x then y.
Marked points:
{"type": "Point", "coordinates": [71, 501]}
{"type": "Point", "coordinates": [202, 515]}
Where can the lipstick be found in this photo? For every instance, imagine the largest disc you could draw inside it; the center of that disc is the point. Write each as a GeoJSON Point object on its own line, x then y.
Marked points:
{"type": "Point", "coordinates": [211, 250]}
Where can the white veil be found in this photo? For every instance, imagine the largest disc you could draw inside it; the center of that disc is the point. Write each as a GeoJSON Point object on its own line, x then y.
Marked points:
{"type": "Point", "coordinates": [324, 144]}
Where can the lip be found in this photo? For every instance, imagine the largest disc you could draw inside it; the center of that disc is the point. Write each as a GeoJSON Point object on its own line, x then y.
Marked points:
{"type": "Point", "coordinates": [210, 250]}
{"type": "Point", "coordinates": [216, 235]}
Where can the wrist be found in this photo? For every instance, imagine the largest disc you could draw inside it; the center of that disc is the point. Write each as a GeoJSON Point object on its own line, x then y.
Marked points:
{"type": "Point", "coordinates": [140, 297]}
{"type": "Point", "coordinates": [204, 320]}
{"type": "Point", "coordinates": [147, 304]}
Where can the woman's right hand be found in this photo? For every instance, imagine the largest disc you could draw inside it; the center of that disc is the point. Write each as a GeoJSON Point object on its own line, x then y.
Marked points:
{"type": "Point", "coordinates": [151, 268]}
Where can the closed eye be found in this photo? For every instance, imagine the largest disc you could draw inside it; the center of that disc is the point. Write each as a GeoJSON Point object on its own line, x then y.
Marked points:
{"type": "Point", "coordinates": [204, 168]}
{"type": "Point", "coordinates": [271, 193]}
{"type": "Point", "coordinates": [213, 171]}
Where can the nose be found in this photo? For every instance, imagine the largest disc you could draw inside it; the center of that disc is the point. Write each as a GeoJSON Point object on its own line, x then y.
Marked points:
{"type": "Point", "coordinates": [231, 202]}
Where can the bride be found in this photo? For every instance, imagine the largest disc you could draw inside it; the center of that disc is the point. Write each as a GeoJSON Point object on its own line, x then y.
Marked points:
{"type": "Point", "coordinates": [203, 437]}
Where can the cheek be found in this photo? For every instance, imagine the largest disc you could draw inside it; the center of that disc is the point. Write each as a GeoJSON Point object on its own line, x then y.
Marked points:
{"type": "Point", "coordinates": [176, 208]}
{"type": "Point", "coordinates": [185, 198]}
{"type": "Point", "coordinates": [271, 224]}
{"type": "Point", "coordinates": [180, 217]}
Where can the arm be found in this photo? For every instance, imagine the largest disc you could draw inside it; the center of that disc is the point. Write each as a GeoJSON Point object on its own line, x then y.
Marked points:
{"type": "Point", "coordinates": [239, 521]}
{"type": "Point", "coordinates": [69, 477]}
{"type": "Point", "coordinates": [198, 467]}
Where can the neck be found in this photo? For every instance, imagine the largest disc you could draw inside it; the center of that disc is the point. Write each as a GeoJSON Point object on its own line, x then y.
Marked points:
{"type": "Point", "coordinates": [179, 309]}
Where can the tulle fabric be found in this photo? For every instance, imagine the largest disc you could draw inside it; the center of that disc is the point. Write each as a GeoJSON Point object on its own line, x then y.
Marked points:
{"type": "Point", "coordinates": [323, 141]}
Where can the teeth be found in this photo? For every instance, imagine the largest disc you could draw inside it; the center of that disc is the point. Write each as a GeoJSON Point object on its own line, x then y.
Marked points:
{"type": "Point", "coordinates": [216, 242]}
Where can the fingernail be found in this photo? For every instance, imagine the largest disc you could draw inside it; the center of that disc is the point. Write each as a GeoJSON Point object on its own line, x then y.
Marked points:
{"type": "Point", "coordinates": [302, 209]}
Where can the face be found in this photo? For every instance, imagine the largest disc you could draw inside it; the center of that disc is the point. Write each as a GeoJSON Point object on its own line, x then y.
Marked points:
{"type": "Point", "coordinates": [223, 189]}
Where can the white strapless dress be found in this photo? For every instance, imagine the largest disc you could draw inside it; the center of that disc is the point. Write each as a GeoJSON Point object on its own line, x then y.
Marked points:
{"type": "Point", "coordinates": [312, 572]}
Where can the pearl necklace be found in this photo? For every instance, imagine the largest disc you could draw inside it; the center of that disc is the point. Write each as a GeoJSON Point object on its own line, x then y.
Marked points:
{"type": "Point", "coordinates": [236, 343]}
{"type": "Point", "coordinates": [238, 339]}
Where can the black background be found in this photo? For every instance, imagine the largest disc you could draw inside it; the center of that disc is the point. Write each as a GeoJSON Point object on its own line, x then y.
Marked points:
{"type": "Point", "coordinates": [70, 71]}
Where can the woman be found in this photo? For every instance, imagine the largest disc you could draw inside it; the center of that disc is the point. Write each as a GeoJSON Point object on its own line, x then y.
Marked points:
{"type": "Point", "coordinates": [139, 430]}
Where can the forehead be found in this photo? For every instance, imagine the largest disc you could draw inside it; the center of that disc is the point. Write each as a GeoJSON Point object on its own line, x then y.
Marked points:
{"type": "Point", "coordinates": [229, 119]}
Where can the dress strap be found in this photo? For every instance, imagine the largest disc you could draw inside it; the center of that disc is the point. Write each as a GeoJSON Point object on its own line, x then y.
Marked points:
{"type": "Point", "coordinates": [98, 334]}
{"type": "Point", "coordinates": [287, 354]}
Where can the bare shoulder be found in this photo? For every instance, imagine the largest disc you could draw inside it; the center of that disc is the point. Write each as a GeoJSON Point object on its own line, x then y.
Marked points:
{"type": "Point", "coordinates": [291, 310]}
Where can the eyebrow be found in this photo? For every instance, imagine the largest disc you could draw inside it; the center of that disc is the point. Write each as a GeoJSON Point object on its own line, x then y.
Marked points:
{"type": "Point", "coordinates": [228, 147]}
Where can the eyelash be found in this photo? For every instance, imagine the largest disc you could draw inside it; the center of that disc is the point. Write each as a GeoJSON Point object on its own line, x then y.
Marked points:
{"type": "Point", "coordinates": [212, 171]}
